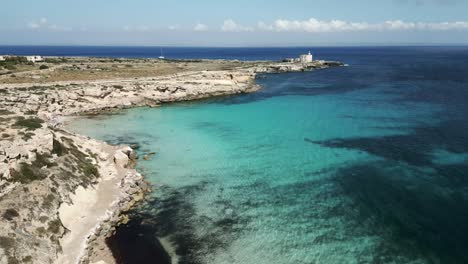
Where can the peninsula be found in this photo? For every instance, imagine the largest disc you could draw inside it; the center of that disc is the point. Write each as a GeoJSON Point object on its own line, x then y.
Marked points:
{"type": "Point", "coordinates": [62, 193]}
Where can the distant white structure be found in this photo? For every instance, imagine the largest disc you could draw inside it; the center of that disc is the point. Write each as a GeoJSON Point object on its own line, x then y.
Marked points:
{"type": "Point", "coordinates": [303, 58]}
{"type": "Point", "coordinates": [2, 58]}
{"type": "Point", "coordinates": [34, 58]}
{"type": "Point", "coordinates": [306, 58]}
{"type": "Point", "coordinates": [162, 56]}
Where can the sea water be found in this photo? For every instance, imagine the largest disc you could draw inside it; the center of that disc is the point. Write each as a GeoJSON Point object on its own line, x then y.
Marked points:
{"type": "Point", "coordinates": [359, 164]}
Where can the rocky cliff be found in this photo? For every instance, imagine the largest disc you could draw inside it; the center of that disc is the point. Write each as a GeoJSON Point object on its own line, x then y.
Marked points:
{"type": "Point", "coordinates": [64, 98]}
{"type": "Point", "coordinates": [61, 193]}
{"type": "Point", "coordinates": [41, 167]}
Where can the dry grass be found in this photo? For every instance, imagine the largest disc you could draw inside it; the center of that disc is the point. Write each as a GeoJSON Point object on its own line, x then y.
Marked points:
{"type": "Point", "coordinates": [90, 69]}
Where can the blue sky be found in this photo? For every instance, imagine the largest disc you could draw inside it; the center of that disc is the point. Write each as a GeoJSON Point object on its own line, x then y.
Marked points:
{"type": "Point", "coordinates": [234, 23]}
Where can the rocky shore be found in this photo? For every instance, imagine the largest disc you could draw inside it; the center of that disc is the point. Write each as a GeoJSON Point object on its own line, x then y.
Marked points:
{"type": "Point", "coordinates": [61, 193]}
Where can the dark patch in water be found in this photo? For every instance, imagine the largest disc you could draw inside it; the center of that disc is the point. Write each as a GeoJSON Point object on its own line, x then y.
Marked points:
{"type": "Point", "coordinates": [135, 243]}
{"type": "Point", "coordinates": [419, 207]}
{"type": "Point", "coordinates": [221, 130]}
{"type": "Point", "coordinates": [129, 140]}
{"type": "Point", "coordinates": [414, 148]}
{"type": "Point", "coordinates": [416, 217]}
{"type": "Point", "coordinates": [175, 218]}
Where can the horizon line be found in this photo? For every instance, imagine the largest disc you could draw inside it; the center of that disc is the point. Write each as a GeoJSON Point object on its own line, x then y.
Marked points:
{"type": "Point", "coordinates": [248, 46]}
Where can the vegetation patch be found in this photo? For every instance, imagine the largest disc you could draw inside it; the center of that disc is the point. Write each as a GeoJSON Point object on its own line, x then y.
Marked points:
{"type": "Point", "coordinates": [89, 169]}
{"type": "Point", "coordinates": [30, 112]}
{"type": "Point", "coordinates": [43, 67]}
{"type": "Point", "coordinates": [10, 214]}
{"type": "Point", "coordinates": [6, 242]}
{"type": "Point", "coordinates": [83, 164]}
{"type": "Point", "coordinates": [27, 259]}
{"type": "Point", "coordinates": [40, 231]}
{"type": "Point", "coordinates": [48, 201]}
{"type": "Point", "coordinates": [43, 160]}
{"type": "Point", "coordinates": [31, 123]}
{"type": "Point", "coordinates": [54, 226]}
{"type": "Point", "coordinates": [5, 112]}
{"type": "Point", "coordinates": [56, 60]}
{"type": "Point", "coordinates": [10, 67]}
{"type": "Point", "coordinates": [27, 136]}
{"type": "Point", "coordinates": [26, 174]}
{"type": "Point", "coordinates": [58, 148]}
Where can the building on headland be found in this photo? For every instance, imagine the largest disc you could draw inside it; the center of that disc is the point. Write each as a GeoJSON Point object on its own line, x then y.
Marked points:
{"type": "Point", "coordinates": [2, 58]}
{"type": "Point", "coordinates": [34, 58]}
{"type": "Point", "coordinates": [306, 58]}
{"type": "Point", "coordinates": [303, 58]}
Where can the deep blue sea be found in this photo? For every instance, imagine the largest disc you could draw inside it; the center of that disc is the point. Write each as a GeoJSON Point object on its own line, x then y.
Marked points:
{"type": "Point", "coordinates": [359, 164]}
{"type": "Point", "coordinates": [172, 52]}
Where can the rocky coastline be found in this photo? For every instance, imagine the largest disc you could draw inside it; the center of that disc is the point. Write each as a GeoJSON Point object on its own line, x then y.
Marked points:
{"type": "Point", "coordinates": [62, 194]}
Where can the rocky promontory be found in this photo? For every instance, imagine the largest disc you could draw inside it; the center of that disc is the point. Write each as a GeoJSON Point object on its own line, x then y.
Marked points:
{"type": "Point", "coordinates": [62, 193]}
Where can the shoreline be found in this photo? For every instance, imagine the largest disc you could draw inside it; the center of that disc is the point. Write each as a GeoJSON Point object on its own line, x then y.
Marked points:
{"type": "Point", "coordinates": [96, 211]}
{"type": "Point", "coordinates": [89, 215]}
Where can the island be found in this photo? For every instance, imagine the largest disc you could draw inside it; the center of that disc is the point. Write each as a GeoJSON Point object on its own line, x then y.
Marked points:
{"type": "Point", "coordinates": [62, 194]}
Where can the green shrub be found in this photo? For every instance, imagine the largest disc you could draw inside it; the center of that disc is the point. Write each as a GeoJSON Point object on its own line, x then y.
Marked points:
{"type": "Point", "coordinates": [55, 60]}
{"type": "Point", "coordinates": [43, 160]}
{"type": "Point", "coordinates": [27, 136]}
{"type": "Point", "coordinates": [90, 169]}
{"type": "Point", "coordinates": [26, 174]}
{"type": "Point", "coordinates": [30, 112]}
{"type": "Point", "coordinates": [16, 59]}
{"type": "Point", "coordinates": [10, 213]}
{"type": "Point", "coordinates": [40, 231]}
{"type": "Point", "coordinates": [27, 259]}
{"type": "Point", "coordinates": [10, 67]}
{"type": "Point", "coordinates": [32, 123]}
{"type": "Point", "coordinates": [43, 67]}
{"type": "Point", "coordinates": [54, 226]}
{"type": "Point", "coordinates": [6, 242]}
{"type": "Point", "coordinates": [58, 148]}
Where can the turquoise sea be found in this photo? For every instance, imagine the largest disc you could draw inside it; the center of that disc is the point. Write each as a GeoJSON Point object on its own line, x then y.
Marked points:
{"type": "Point", "coordinates": [359, 164]}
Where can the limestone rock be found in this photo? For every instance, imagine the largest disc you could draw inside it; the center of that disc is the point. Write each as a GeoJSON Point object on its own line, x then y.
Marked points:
{"type": "Point", "coordinates": [121, 159]}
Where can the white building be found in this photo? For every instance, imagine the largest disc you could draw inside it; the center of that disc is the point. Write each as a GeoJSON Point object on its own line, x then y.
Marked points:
{"type": "Point", "coordinates": [34, 58]}
{"type": "Point", "coordinates": [305, 58]}
{"type": "Point", "coordinates": [2, 58]}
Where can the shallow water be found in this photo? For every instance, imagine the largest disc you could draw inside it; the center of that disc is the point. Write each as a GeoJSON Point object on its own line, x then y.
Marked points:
{"type": "Point", "coordinates": [359, 164]}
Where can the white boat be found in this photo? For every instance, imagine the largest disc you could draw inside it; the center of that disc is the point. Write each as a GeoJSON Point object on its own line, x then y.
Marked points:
{"type": "Point", "coordinates": [162, 56]}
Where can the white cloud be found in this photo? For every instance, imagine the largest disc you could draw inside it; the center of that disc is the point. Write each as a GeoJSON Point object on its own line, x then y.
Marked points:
{"type": "Point", "coordinates": [54, 27]}
{"type": "Point", "coordinates": [136, 28]}
{"type": "Point", "coordinates": [173, 27]}
{"type": "Point", "coordinates": [263, 26]}
{"type": "Point", "coordinates": [230, 25]}
{"type": "Point", "coordinates": [200, 27]}
{"type": "Point", "coordinates": [315, 25]}
{"type": "Point", "coordinates": [43, 23]}
{"type": "Point", "coordinates": [33, 25]}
